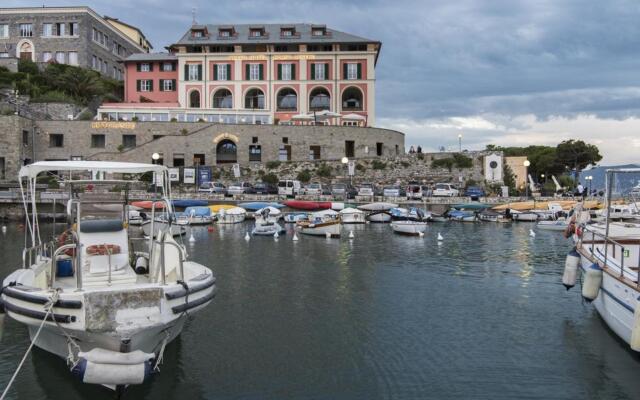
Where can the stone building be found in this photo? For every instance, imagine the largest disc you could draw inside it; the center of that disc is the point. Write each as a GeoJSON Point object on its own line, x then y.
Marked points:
{"type": "Point", "coordinates": [186, 144]}
{"type": "Point", "coordinates": [516, 164]}
{"type": "Point", "coordinates": [68, 35]}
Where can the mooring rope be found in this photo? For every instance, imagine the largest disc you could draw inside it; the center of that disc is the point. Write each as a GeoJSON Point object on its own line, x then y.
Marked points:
{"type": "Point", "coordinates": [48, 307]}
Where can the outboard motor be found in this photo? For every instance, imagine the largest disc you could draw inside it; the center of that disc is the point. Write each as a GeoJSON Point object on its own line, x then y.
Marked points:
{"type": "Point", "coordinates": [507, 213]}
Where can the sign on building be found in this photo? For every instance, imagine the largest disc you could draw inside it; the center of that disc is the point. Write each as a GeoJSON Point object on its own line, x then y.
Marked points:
{"type": "Point", "coordinates": [174, 174]}
{"type": "Point", "coordinates": [352, 168]}
{"type": "Point", "coordinates": [204, 175]}
{"type": "Point", "coordinates": [189, 175]}
{"type": "Point", "coordinates": [493, 168]}
{"type": "Point", "coordinates": [236, 170]}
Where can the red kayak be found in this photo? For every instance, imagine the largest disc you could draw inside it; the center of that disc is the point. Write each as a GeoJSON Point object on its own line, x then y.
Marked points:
{"type": "Point", "coordinates": [308, 205]}
{"type": "Point", "coordinates": [147, 204]}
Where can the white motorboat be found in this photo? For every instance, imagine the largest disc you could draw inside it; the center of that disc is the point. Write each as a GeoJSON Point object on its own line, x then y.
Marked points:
{"type": "Point", "coordinates": [379, 206]}
{"type": "Point", "coordinates": [379, 216]}
{"type": "Point", "coordinates": [231, 216]}
{"type": "Point", "coordinates": [492, 216]}
{"type": "Point", "coordinates": [81, 297]}
{"type": "Point", "coordinates": [352, 216]}
{"type": "Point", "coordinates": [322, 223]}
{"type": "Point", "coordinates": [608, 256]}
{"type": "Point", "coordinates": [524, 216]}
{"type": "Point", "coordinates": [266, 222]}
{"type": "Point", "coordinates": [160, 225]}
{"type": "Point", "coordinates": [294, 217]}
{"type": "Point", "coordinates": [408, 227]}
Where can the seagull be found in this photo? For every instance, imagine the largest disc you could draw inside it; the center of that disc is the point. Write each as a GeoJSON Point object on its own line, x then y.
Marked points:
{"type": "Point", "coordinates": [246, 236]}
{"type": "Point", "coordinates": [295, 237]}
{"type": "Point", "coordinates": [351, 235]}
{"type": "Point", "coordinates": [532, 233]}
{"type": "Point", "coordinates": [421, 234]}
{"type": "Point", "coordinates": [4, 229]}
{"type": "Point", "coordinates": [328, 235]}
{"type": "Point", "coordinates": [275, 235]}
{"type": "Point", "coordinates": [440, 238]}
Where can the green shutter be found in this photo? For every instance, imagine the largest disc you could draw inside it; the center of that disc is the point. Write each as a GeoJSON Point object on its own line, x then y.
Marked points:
{"type": "Point", "coordinates": [138, 84]}
{"type": "Point", "coordinates": [312, 71]}
{"type": "Point", "coordinates": [138, 67]}
{"type": "Point", "coordinates": [161, 85]}
{"type": "Point", "coordinates": [359, 70]}
{"type": "Point", "coordinates": [215, 72]}
{"type": "Point", "coordinates": [279, 72]}
{"type": "Point", "coordinates": [199, 72]}
{"type": "Point", "coordinates": [150, 67]}
{"type": "Point", "coordinates": [326, 71]}
{"type": "Point", "coordinates": [186, 72]}
{"type": "Point", "coordinates": [261, 72]}
{"type": "Point", "coordinates": [293, 72]}
{"type": "Point", "coordinates": [247, 69]}
{"type": "Point", "coordinates": [345, 70]}
{"type": "Point", "coordinates": [151, 85]}
{"type": "Point", "coordinates": [173, 86]}
{"type": "Point", "coordinates": [228, 72]}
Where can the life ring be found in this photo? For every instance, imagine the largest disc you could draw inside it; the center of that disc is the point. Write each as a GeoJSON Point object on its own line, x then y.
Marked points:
{"type": "Point", "coordinates": [62, 240]}
{"type": "Point", "coordinates": [103, 249]}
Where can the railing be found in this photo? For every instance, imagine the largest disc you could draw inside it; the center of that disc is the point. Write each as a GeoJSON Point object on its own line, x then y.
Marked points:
{"type": "Point", "coordinates": [606, 262]}
{"type": "Point", "coordinates": [162, 258]}
{"type": "Point", "coordinates": [55, 254]}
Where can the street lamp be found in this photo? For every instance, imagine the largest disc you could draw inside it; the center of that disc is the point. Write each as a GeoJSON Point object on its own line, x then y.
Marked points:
{"type": "Point", "coordinates": [345, 161]}
{"type": "Point", "coordinates": [589, 179]}
{"type": "Point", "coordinates": [526, 164]}
{"type": "Point", "coordinates": [460, 142]}
{"type": "Point", "coordinates": [155, 157]}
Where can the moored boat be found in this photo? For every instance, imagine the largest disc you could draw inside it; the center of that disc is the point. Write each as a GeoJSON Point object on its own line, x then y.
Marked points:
{"type": "Point", "coordinates": [258, 205]}
{"type": "Point", "coordinates": [379, 206]}
{"type": "Point", "coordinates": [266, 222]}
{"type": "Point", "coordinates": [322, 223]}
{"type": "Point", "coordinates": [379, 217]}
{"type": "Point", "coordinates": [408, 227]}
{"type": "Point", "coordinates": [352, 216]}
{"type": "Point", "coordinates": [184, 203]}
{"type": "Point", "coordinates": [233, 215]}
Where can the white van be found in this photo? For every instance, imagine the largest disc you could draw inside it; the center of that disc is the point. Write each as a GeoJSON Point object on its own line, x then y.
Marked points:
{"type": "Point", "coordinates": [289, 188]}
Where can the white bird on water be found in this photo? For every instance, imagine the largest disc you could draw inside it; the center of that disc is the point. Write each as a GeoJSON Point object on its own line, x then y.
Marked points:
{"type": "Point", "coordinates": [440, 238]}
{"type": "Point", "coordinates": [421, 234]}
{"type": "Point", "coordinates": [328, 235]}
{"type": "Point", "coordinates": [275, 235]}
{"type": "Point", "coordinates": [532, 233]}
{"type": "Point", "coordinates": [351, 235]}
{"type": "Point", "coordinates": [295, 237]}
{"type": "Point", "coordinates": [247, 237]}
{"type": "Point", "coordinates": [191, 238]}
{"type": "Point", "coordinates": [4, 229]}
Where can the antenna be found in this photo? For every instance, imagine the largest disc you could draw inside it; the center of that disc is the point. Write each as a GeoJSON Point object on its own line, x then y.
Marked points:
{"type": "Point", "coordinates": [193, 16]}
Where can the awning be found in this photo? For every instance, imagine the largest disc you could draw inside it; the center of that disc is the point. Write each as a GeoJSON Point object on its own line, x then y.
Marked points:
{"type": "Point", "coordinates": [302, 117]}
{"type": "Point", "coordinates": [354, 117]}
{"type": "Point", "coordinates": [32, 170]}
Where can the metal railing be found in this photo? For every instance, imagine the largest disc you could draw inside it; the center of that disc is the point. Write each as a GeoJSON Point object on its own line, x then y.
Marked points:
{"type": "Point", "coordinates": [55, 255]}
{"type": "Point", "coordinates": [605, 261]}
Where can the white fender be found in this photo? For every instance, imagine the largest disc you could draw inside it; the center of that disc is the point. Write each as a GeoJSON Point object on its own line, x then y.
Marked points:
{"type": "Point", "coordinates": [571, 265]}
{"type": "Point", "coordinates": [592, 282]}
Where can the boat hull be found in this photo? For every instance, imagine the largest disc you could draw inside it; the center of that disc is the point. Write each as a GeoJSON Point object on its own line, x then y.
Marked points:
{"type": "Point", "coordinates": [379, 217]}
{"type": "Point", "coordinates": [231, 218]}
{"type": "Point", "coordinates": [331, 228]}
{"type": "Point", "coordinates": [353, 218]}
{"type": "Point", "coordinates": [412, 228]}
{"type": "Point", "coordinates": [268, 229]}
{"type": "Point", "coordinates": [552, 225]}
{"type": "Point", "coordinates": [525, 217]}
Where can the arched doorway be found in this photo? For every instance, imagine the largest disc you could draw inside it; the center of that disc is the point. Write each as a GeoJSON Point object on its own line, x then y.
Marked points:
{"type": "Point", "coordinates": [287, 100]}
{"type": "Point", "coordinates": [352, 99]}
{"type": "Point", "coordinates": [25, 50]}
{"type": "Point", "coordinates": [194, 99]}
{"type": "Point", "coordinates": [226, 152]}
{"type": "Point", "coordinates": [319, 99]}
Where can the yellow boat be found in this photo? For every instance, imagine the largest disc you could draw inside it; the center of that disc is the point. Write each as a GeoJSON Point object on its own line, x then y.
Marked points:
{"type": "Point", "coordinates": [217, 207]}
{"type": "Point", "coordinates": [544, 205]}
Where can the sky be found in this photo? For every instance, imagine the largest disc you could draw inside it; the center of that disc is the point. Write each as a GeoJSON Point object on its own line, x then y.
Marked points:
{"type": "Point", "coordinates": [504, 72]}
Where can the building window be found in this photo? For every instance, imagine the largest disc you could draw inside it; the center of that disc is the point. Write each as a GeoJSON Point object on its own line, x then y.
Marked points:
{"type": "Point", "coordinates": [145, 67]}
{"type": "Point", "coordinates": [286, 72]}
{"type": "Point", "coordinates": [98, 141]}
{"type": "Point", "coordinates": [56, 140]}
{"type": "Point", "coordinates": [254, 72]}
{"type": "Point", "coordinates": [60, 57]}
{"type": "Point", "coordinates": [194, 72]}
{"type": "Point", "coordinates": [255, 152]}
{"type": "Point", "coordinates": [316, 47]}
{"type": "Point", "coordinates": [145, 85]}
{"type": "Point", "coordinates": [379, 149]}
{"type": "Point", "coordinates": [178, 159]}
{"type": "Point", "coordinates": [94, 62]}
{"type": "Point", "coordinates": [198, 159]}
{"type": "Point", "coordinates": [25, 137]}
{"type": "Point", "coordinates": [4, 54]}
{"type": "Point", "coordinates": [105, 66]}
{"type": "Point", "coordinates": [26, 30]}
{"type": "Point", "coordinates": [47, 30]}
{"type": "Point", "coordinates": [73, 58]}
{"type": "Point", "coordinates": [254, 139]}
{"type": "Point", "coordinates": [255, 33]}
{"type": "Point", "coordinates": [46, 56]}
{"type": "Point", "coordinates": [319, 99]}
{"type": "Point", "coordinates": [352, 70]}
{"type": "Point", "coordinates": [168, 67]}
{"type": "Point", "coordinates": [285, 140]}
{"type": "Point", "coordinates": [317, 32]}
{"type": "Point", "coordinates": [287, 32]}
{"type": "Point", "coordinates": [287, 100]}
{"type": "Point", "coordinates": [349, 148]}
{"type": "Point", "coordinates": [194, 99]}
{"type": "Point", "coordinates": [60, 29]}
{"type": "Point", "coordinates": [4, 30]}
{"type": "Point", "coordinates": [168, 85]}
{"type": "Point", "coordinates": [223, 99]}
{"type": "Point", "coordinates": [352, 99]}
{"type": "Point", "coordinates": [314, 152]}
{"type": "Point", "coordinates": [198, 34]}
{"type": "Point", "coordinates": [254, 99]}
{"type": "Point", "coordinates": [73, 29]}
{"type": "Point", "coordinates": [319, 71]}
{"type": "Point", "coordinates": [128, 141]}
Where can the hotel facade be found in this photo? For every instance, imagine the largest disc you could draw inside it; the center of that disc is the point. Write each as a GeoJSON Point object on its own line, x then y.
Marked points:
{"type": "Point", "coordinates": [292, 74]}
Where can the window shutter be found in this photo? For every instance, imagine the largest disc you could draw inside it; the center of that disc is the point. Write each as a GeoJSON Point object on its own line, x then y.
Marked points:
{"type": "Point", "coordinates": [313, 71]}
{"type": "Point", "coordinates": [326, 71]}
{"type": "Point", "coordinates": [161, 85]}
{"type": "Point", "coordinates": [359, 70]}
{"type": "Point", "coordinates": [138, 67]}
{"type": "Point", "coordinates": [345, 69]}
{"type": "Point", "coordinates": [247, 68]}
{"type": "Point", "coordinates": [260, 71]}
{"type": "Point", "coordinates": [279, 72]}
{"type": "Point", "coordinates": [215, 72]}
{"type": "Point", "coordinates": [199, 72]}
{"type": "Point", "coordinates": [150, 66]}
{"type": "Point", "coordinates": [151, 85]}
{"type": "Point", "coordinates": [173, 85]}
{"type": "Point", "coordinates": [174, 66]}
{"type": "Point", "coordinates": [138, 84]}
{"type": "Point", "coordinates": [186, 72]}
{"type": "Point", "coordinates": [293, 72]}
{"type": "Point", "coordinates": [228, 72]}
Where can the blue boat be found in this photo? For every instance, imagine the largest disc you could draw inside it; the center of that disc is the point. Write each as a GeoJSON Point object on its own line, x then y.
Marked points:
{"type": "Point", "coordinates": [190, 203]}
{"type": "Point", "coordinates": [257, 205]}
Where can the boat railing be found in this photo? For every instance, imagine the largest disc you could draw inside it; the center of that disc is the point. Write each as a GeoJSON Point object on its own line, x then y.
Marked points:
{"type": "Point", "coordinates": [163, 262]}
{"type": "Point", "coordinates": [32, 253]}
{"type": "Point", "coordinates": [54, 256]}
{"type": "Point", "coordinates": [596, 238]}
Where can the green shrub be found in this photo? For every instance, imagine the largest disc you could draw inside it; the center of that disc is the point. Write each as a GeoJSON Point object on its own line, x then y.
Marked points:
{"type": "Point", "coordinates": [273, 164]}
{"type": "Point", "coordinates": [120, 148]}
{"type": "Point", "coordinates": [304, 176]}
{"type": "Point", "coordinates": [323, 171]}
{"type": "Point", "coordinates": [443, 163]}
{"type": "Point", "coordinates": [215, 174]}
{"type": "Point", "coordinates": [360, 167]}
{"type": "Point", "coordinates": [174, 119]}
{"type": "Point", "coordinates": [377, 164]}
{"type": "Point", "coordinates": [462, 161]}
{"type": "Point", "coordinates": [420, 156]}
{"type": "Point", "coordinates": [86, 115]}
{"type": "Point", "coordinates": [184, 131]}
{"type": "Point", "coordinates": [53, 96]}
{"type": "Point", "coordinates": [135, 119]}
{"type": "Point", "coordinates": [270, 178]}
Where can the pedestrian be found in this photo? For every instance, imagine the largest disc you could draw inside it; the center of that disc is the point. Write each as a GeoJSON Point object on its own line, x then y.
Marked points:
{"type": "Point", "coordinates": [411, 150]}
{"type": "Point", "coordinates": [580, 189]}
{"type": "Point", "coordinates": [419, 150]}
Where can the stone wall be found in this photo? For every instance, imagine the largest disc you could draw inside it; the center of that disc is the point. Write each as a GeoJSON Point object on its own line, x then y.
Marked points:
{"type": "Point", "coordinates": [13, 151]}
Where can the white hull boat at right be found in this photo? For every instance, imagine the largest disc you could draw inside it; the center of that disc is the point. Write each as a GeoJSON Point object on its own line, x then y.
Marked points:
{"type": "Point", "coordinates": [413, 228]}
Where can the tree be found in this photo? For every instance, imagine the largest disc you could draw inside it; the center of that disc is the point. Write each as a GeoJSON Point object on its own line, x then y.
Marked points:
{"type": "Point", "coordinates": [577, 154]}
{"type": "Point", "coordinates": [509, 178]}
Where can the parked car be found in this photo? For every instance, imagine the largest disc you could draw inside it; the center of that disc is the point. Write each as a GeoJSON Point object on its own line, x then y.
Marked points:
{"type": "Point", "coordinates": [393, 191]}
{"type": "Point", "coordinates": [426, 191]}
{"type": "Point", "coordinates": [445, 189]}
{"type": "Point", "coordinates": [343, 190]}
{"type": "Point", "coordinates": [475, 192]}
{"type": "Point", "coordinates": [289, 187]}
{"type": "Point", "coordinates": [264, 188]}
{"type": "Point", "coordinates": [213, 187]}
{"type": "Point", "coordinates": [414, 191]}
{"type": "Point", "coordinates": [366, 189]}
{"type": "Point", "coordinates": [240, 188]}
{"type": "Point", "coordinates": [313, 189]}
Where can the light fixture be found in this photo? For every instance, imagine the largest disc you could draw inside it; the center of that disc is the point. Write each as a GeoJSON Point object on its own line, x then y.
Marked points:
{"type": "Point", "coordinates": [345, 160]}
{"type": "Point", "coordinates": [155, 156]}
{"type": "Point", "coordinates": [526, 163]}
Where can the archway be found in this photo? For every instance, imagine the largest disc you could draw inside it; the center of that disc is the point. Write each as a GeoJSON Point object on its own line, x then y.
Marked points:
{"type": "Point", "coordinates": [226, 152]}
{"type": "Point", "coordinates": [287, 100]}
{"type": "Point", "coordinates": [352, 99]}
{"type": "Point", "coordinates": [254, 99]}
{"type": "Point", "coordinates": [223, 98]}
{"type": "Point", "coordinates": [25, 50]}
{"type": "Point", "coordinates": [194, 99]}
{"type": "Point", "coordinates": [319, 99]}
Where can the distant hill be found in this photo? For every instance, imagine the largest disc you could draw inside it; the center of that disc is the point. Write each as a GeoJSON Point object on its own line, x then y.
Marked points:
{"type": "Point", "coordinates": [623, 184]}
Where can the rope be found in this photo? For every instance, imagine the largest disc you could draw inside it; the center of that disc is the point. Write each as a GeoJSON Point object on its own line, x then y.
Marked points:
{"type": "Point", "coordinates": [156, 367]}
{"type": "Point", "coordinates": [48, 307]}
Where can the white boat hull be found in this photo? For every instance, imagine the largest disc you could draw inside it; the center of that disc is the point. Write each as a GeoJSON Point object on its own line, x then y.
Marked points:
{"type": "Point", "coordinates": [525, 217]}
{"type": "Point", "coordinates": [381, 217]}
{"type": "Point", "coordinates": [552, 225]}
{"type": "Point", "coordinates": [231, 218]}
{"type": "Point", "coordinates": [354, 218]}
{"type": "Point", "coordinates": [176, 230]}
{"type": "Point", "coordinates": [267, 229]}
{"type": "Point", "coordinates": [321, 229]}
{"type": "Point", "coordinates": [409, 227]}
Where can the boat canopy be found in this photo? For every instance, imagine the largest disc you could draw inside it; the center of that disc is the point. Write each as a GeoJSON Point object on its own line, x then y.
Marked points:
{"type": "Point", "coordinates": [32, 170]}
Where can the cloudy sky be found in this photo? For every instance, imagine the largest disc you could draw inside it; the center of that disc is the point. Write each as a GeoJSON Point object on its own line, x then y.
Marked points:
{"type": "Point", "coordinates": [506, 72]}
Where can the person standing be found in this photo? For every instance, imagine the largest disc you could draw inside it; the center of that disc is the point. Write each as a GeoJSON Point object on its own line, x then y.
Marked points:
{"type": "Point", "coordinates": [580, 190]}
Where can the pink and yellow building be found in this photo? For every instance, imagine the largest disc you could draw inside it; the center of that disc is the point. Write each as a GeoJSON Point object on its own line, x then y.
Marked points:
{"type": "Point", "coordinates": [254, 74]}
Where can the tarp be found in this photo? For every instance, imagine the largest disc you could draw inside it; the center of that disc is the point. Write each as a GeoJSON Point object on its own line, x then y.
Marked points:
{"type": "Point", "coordinates": [32, 170]}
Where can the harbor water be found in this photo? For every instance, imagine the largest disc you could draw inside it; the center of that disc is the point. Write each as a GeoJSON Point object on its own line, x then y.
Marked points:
{"type": "Point", "coordinates": [482, 315]}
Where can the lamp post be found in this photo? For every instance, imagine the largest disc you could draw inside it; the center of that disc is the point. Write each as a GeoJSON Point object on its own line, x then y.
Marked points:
{"type": "Point", "coordinates": [460, 142]}
{"type": "Point", "coordinates": [526, 164]}
{"type": "Point", "coordinates": [155, 157]}
{"type": "Point", "coordinates": [589, 179]}
{"type": "Point", "coordinates": [345, 161]}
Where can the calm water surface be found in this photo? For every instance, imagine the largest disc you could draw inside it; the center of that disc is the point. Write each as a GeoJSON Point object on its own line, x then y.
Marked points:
{"type": "Point", "coordinates": [481, 316]}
